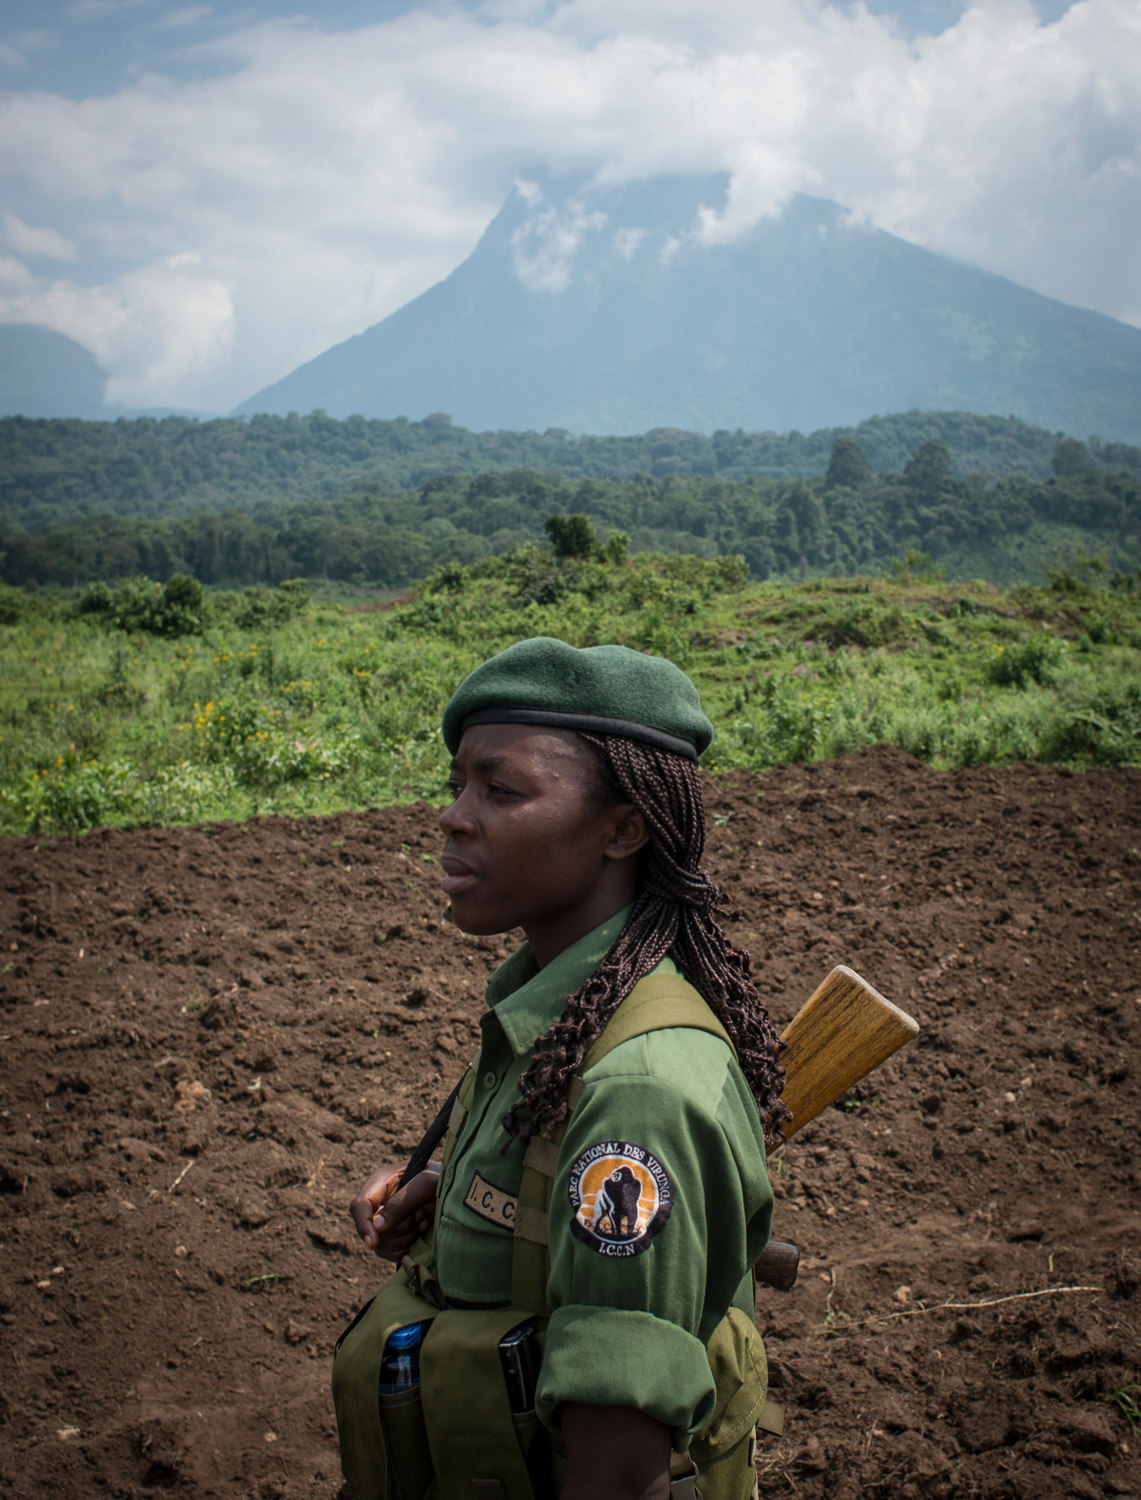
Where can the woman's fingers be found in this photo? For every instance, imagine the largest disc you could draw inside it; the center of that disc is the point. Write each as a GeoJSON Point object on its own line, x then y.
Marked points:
{"type": "Point", "coordinates": [388, 1217]}
{"type": "Point", "coordinates": [376, 1191]}
{"type": "Point", "coordinates": [412, 1201]}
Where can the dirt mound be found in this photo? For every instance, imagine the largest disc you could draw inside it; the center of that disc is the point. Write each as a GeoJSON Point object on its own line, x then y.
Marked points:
{"type": "Point", "coordinates": [210, 1034]}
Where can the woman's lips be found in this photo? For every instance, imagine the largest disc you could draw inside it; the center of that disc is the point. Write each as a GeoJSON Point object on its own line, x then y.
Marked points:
{"type": "Point", "coordinates": [457, 876]}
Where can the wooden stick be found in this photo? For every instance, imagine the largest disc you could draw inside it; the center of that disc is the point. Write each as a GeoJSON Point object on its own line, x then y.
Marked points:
{"type": "Point", "coordinates": [843, 1031]}
{"type": "Point", "coordinates": [915, 1312]}
{"type": "Point", "coordinates": [181, 1175]}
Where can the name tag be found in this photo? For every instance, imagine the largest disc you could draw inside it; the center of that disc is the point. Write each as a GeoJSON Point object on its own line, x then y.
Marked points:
{"type": "Point", "coordinates": [491, 1203]}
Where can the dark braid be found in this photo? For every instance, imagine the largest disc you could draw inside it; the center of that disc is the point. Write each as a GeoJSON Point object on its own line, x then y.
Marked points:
{"type": "Point", "coordinates": [675, 911]}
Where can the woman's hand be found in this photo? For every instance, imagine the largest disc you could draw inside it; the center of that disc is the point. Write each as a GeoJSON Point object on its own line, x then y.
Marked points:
{"type": "Point", "coordinates": [390, 1218]}
{"type": "Point", "coordinates": [614, 1450]}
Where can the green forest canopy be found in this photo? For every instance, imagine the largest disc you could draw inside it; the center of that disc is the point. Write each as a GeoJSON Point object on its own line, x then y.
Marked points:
{"type": "Point", "coordinates": [845, 521]}
{"type": "Point", "coordinates": [52, 472]}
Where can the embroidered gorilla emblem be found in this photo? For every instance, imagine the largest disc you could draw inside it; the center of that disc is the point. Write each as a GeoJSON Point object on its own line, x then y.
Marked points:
{"type": "Point", "coordinates": [620, 1198]}
{"type": "Point", "coordinates": [617, 1205]}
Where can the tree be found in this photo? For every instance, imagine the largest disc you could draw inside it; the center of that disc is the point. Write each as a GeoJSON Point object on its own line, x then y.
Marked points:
{"type": "Point", "coordinates": [848, 466]}
{"type": "Point", "coordinates": [928, 472]}
{"type": "Point", "coordinates": [571, 536]}
{"type": "Point", "coordinates": [1071, 460]}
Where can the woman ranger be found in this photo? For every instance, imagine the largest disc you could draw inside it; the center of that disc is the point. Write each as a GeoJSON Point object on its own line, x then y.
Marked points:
{"type": "Point", "coordinates": [576, 1272]}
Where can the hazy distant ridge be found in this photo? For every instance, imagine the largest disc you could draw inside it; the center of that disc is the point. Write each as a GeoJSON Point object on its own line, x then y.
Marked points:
{"type": "Point", "coordinates": [46, 374]}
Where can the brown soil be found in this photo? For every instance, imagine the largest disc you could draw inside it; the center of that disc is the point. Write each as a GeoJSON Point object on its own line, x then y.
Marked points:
{"type": "Point", "coordinates": [210, 1034]}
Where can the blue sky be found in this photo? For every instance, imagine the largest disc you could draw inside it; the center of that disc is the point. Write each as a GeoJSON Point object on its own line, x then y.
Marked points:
{"type": "Point", "coordinates": [207, 195]}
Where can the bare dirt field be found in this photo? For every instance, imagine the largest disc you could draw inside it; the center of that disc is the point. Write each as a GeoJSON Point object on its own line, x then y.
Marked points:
{"type": "Point", "coordinates": [210, 1034]}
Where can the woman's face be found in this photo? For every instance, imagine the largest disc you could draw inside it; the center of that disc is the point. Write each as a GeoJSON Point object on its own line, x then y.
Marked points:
{"type": "Point", "coordinates": [528, 844]}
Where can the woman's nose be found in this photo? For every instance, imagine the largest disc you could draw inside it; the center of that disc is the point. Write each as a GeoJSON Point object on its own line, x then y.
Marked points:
{"type": "Point", "coordinates": [454, 818]}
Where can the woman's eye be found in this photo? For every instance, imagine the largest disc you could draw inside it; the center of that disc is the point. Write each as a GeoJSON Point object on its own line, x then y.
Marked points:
{"type": "Point", "coordinates": [454, 789]}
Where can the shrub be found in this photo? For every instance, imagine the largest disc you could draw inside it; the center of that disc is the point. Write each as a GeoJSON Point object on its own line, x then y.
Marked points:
{"type": "Point", "coordinates": [175, 608]}
{"type": "Point", "coordinates": [75, 795]}
{"type": "Point", "coordinates": [260, 606]}
{"type": "Point", "coordinates": [1035, 659]}
{"type": "Point", "coordinates": [13, 605]}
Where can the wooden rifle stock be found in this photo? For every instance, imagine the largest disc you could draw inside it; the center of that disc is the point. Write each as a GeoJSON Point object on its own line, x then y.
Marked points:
{"type": "Point", "coordinates": [843, 1031]}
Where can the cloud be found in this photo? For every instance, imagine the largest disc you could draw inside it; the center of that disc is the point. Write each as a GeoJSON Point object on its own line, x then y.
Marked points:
{"type": "Point", "coordinates": [151, 328]}
{"type": "Point", "coordinates": [190, 15]}
{"type": "Point", "coordinates": [544, 246]}
{"type": "Point", "coordinates": [29, 241]}
{"type": "Point", "coordinates": [15, 278]}
{"type": "Point", "coordinates": [323, 178]}
{"type": "Point", "coordinates": [96, 10]}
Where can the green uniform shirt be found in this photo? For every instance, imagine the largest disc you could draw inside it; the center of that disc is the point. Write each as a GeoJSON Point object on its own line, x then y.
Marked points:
{"type": "Point", "coordinates": [637, 1284]}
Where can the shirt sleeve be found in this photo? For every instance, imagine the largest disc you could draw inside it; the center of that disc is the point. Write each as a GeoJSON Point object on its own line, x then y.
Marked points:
{"type": "Point", "coordinates": [659, 1207]}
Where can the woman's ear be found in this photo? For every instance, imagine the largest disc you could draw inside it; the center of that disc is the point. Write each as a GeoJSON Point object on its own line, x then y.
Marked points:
{"type": "Point", "coordinates": [628, 832]}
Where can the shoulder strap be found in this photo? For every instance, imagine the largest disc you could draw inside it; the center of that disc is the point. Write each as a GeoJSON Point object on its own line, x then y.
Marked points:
{"type": "Point", "coordinates": [656, 1003]}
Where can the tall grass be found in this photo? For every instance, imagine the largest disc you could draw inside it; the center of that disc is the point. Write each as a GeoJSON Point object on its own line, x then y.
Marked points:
{"type": "Point", "coordinates": [282, 706]}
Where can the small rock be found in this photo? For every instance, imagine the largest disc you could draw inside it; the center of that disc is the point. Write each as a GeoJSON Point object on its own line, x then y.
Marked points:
{"type": "Point", "coordinates": [812, 1457]}
{"type": "Point", "coordinates": [189, 1095]}
{"type": "Point", "coordinates": [1024, 1229]}
{"type": "Point", "coordinates": [982, 1426]}
{"type": "Point", "coordinates": [1080, 1487]}
{"type": "Point", "coordinates": [252, 1213]}
{"type": "Point", "coordinates": [140, 1151]}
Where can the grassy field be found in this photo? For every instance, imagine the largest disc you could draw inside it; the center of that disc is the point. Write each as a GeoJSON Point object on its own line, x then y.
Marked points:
{"type": "Point", "coordinates": [267, 701]}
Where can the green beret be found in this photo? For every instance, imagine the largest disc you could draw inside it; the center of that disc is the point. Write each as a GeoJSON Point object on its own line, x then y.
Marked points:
{"type": "Point", "coordinates": [602, 689]}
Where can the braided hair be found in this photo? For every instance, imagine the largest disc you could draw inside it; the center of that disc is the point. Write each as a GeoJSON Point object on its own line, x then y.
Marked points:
{"type": "Point", "coordinates": [676, 911]}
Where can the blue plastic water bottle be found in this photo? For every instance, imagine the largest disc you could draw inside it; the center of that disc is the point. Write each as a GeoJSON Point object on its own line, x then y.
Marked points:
{"type": "Point", "coordinates": [400, 1362]}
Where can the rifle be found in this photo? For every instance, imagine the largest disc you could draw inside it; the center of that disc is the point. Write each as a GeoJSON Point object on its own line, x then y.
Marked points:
{"type": "Point", "coordinates": [843, 1031]}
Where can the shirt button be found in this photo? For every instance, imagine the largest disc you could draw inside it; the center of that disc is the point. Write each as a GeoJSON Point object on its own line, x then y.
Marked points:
{"type": "Point", "coordinates": [489, 1080]}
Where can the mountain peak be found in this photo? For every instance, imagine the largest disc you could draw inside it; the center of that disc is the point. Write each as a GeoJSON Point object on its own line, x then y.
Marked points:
{"type": "Point", "coordinates": [618, 308]}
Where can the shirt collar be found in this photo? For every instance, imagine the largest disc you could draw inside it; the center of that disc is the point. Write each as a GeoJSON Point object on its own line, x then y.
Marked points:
{"type": "Point", "coordinates": [526, 999]}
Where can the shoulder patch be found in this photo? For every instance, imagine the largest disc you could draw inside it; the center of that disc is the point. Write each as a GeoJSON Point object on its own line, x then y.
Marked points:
{"type": "Point", "coordinates": [620, 1196]}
